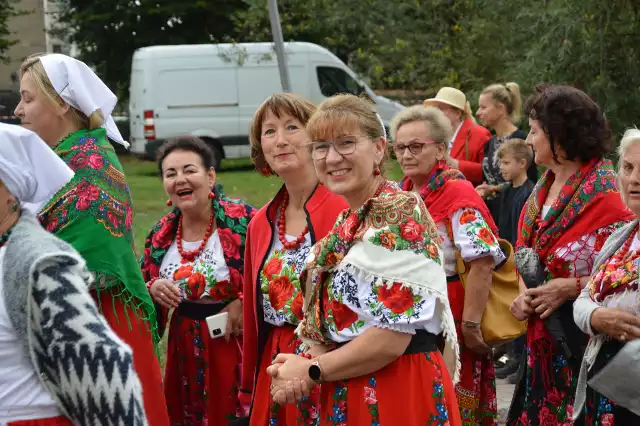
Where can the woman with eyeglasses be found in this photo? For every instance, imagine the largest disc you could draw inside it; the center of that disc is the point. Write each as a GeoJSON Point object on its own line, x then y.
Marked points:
{"type": "Point", "coordinates": [375, 290]}
{"type": "Point", "coordinates": [465, 225]}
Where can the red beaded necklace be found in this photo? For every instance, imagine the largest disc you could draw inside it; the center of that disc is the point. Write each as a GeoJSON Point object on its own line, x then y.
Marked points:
{"type": "Point", "coordinates": [190, 256]}
{"type": "Point", "coordinates": [289, 245]}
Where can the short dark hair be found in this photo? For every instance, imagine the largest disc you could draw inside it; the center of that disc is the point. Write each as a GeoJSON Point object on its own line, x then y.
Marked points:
{"type": "Point", "coordinates": [571, 120]}
{"type": "Point", "coordinates": [187, 143]}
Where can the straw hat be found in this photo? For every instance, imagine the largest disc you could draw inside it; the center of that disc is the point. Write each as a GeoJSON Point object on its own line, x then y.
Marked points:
{"type": "Point", "coordinates": [449, 96]}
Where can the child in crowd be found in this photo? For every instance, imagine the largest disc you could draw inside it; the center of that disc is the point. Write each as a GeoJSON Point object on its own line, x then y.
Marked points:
{"type": "Point", "coordinates": [515, 157]}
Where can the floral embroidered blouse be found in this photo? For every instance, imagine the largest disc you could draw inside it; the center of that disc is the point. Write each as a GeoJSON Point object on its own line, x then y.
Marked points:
{"type": "Point", "coordinates": [282, 297]}
{"type": "Point", "coordinates": [207, 276]}
{"type": "Point", "coordinates": [472, 237]}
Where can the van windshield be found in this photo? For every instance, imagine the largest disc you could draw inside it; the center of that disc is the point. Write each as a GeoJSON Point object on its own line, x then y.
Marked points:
{"type": "Point", "coordinates": [335, 80]}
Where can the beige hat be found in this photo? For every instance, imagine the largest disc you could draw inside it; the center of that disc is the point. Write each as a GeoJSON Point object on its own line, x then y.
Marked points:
{"type": "Point", "coordinates": [449, 96]}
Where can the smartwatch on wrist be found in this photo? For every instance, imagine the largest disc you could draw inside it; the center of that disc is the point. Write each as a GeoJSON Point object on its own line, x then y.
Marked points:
{"type": "Point", "coordinates": [315, 372]}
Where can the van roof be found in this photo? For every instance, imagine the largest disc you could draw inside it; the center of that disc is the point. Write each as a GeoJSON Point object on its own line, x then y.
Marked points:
{"type": "Point", "coordinates": [199, 49]}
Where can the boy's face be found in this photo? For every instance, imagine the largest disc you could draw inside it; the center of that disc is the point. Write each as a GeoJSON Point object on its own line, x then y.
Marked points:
{"type": "Point", "coordinates": [510, 167]}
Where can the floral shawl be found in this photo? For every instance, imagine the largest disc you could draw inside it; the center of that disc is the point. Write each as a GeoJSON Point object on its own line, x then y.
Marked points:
{"type": "Point", "coordinates": [390, 239]}
{"type": "Point", "coordinates": [447, 191]}
{"type": "Point", "coordinates": [588, 201]}
{"type": "Point", "coordinates": [232, 218]}
{"type": "Point", "coordinates": [93, 212]}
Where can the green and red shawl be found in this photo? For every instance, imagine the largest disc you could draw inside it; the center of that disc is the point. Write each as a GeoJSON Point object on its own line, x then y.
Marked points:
{"type": "Point", "coordinates": [232, 218]}
{"type": "Point", "coordinates": [93, 213]}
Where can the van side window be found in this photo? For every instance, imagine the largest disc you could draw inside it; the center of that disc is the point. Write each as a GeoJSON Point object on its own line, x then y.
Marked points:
{"type": "Point", "coordinates": [334, 80]}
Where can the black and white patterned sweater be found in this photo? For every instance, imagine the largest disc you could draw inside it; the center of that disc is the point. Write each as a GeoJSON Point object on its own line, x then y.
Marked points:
{"type": "Point", "coordinates": [83, 364]}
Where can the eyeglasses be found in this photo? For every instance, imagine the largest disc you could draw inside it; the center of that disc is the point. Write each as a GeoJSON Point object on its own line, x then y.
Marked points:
{"type": "Point", "coordinates": [320, 149]}
{"type": "Point", "coordinates": [414, 147]}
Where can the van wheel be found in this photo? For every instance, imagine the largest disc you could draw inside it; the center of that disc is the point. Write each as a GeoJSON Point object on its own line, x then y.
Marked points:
{"type": "Point", "coordinates": [217, 151]}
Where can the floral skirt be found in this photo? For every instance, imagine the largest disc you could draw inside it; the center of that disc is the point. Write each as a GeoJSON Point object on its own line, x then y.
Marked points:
{"type": "Point", "coordinates": [545, 393]}
{"type": "Point", "coordinates": [266, 412]}
{"type": "Point", "coordinates": [125, 323]}
{"type": "Point", "coordinates": [51, 421]}
{"type": "Point", "coordinates": [202, 375]}
{"type": "Point", "coordinates": [414, 390]}
{"type": "Point", "coordinates": [598, 409]}
{"type": "Point", "coordinates": [476, 390]}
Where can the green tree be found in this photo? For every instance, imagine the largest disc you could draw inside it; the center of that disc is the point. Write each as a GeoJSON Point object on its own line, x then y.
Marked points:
{"type": "Point", "coordinates": [7, 11]}
{"type": "Point", "coordinates": [108, 32]}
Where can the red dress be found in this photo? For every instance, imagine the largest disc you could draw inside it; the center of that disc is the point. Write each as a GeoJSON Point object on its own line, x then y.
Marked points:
{"type": "Point", "coordinates": [202, 374]}
{"type": "Point", "coordinates": [273, 306]}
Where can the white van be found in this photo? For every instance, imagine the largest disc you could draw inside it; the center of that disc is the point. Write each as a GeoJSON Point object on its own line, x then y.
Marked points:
{"type": "Point", "coordinates": [212, 90]}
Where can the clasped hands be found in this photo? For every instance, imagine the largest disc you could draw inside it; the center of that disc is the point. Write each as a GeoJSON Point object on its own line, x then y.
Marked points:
{"type": "Point", "coordinates": [290, 379]}
{"type": "Point", "coordinates": [543, 300]}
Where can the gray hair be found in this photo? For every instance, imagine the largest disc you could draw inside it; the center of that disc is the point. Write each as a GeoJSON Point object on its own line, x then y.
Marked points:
{"type": "Point", "coordinates": [439, 126]}
{"type": "Point", "coordinates": [630, 137]}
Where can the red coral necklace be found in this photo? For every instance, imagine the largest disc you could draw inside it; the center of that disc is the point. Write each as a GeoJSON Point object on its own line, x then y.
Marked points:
{"type": "Point", "coordinates": [289, 245]}
{"type": "Point", "coordinates": [190, 256]}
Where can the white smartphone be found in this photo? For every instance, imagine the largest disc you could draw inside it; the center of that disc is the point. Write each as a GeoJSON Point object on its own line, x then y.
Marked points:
{"type": "Point", "coordinates": [217, 324]}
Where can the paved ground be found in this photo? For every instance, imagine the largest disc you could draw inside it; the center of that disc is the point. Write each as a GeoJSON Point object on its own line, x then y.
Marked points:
{"type": "Point", "coordinates": [505, 392]}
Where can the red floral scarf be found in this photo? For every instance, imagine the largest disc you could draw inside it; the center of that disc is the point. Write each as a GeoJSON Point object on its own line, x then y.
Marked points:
{"type": "Point", "coordinates": [232, 218]}
{"type": "Point", "coordinates": [618, 274]}
{"type": "Point", "coordinates": [447, 191]}
{"type": "Point", "coordinates": [588, 201]}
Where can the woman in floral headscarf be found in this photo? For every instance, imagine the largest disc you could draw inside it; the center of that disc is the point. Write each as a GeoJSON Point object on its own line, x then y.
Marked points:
{"type": "Point", "coordinates": [573, 209]}
{"type": "Point", "coordinates": [193, 262]}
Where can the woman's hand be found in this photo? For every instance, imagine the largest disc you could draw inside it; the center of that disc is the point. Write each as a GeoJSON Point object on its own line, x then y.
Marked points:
{"type": "Point", "coordinates": [615, 323]}
{"type": "Point", "coordinates": [234, 320]}
{"type": "Point", "coordinates": [288, 392]}
{"type": "Point", "coordinates": [290, 378]}
{"type": "Point", "coordinates": [550, 296]}
{"type": "Point", "coordinates": [521, 307]}
{"type": "Point", "coordinates": [166, 293]}
{"type": "Point", "coordinates": [472, 337]}
{"type": "Point", "coordinates": [485, 190]}
{"type": "Point", "coordinates": [452, 162]}
{"type": "Point", "coordinates": [316, 350]}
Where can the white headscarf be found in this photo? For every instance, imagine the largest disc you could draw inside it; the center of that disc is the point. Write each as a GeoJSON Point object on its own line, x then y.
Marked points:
{"type": "Point", "coordinates": [31, 171]}
{"type": "Point", "coordinates": [81, 88]}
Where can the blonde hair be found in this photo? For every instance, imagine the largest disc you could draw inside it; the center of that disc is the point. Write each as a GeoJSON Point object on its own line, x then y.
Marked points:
{"type": "Point", "coordinates": [278, 104]}
{"type": "Point", "coordinates": [508, 95]}
{"type": "Point", "coordinates": [440, 129]}
{"type": "Point", "coordinates": [344, 112]}
{"type": "Point", "coordinates": [34, 68]}
{"type": "Point", "coordinates": [517, 148]}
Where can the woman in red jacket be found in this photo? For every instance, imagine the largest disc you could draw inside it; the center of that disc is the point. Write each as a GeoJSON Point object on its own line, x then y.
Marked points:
{"type": "Point", "coordinates": [279, 239]}
{"type": "Point", "coordinates": [467, 146]}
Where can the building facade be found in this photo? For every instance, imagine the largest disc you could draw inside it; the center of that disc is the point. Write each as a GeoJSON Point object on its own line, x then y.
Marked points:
{"type": "Point", "coordinates": [32, 32]}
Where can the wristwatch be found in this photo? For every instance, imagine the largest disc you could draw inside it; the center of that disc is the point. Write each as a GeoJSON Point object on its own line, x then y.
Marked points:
{"type": "Point", "coordinates": [315, 372]}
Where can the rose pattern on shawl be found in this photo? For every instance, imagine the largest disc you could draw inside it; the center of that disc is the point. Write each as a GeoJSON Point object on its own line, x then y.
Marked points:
{"type": "Point", "coordinates": [95, 161]}
{"type": "Point", "coordinates": [273, 267]}
{"type": "Point", "coordinates": [409, 235]}
{"type": "Point", "coordinates": [86, 194]}
{"type": "Point", "coordinates": [296, 306]}
{"type": "Point", "coordinates": [233, 210]}
{"type": "Point", "coordinates": [230, 242]}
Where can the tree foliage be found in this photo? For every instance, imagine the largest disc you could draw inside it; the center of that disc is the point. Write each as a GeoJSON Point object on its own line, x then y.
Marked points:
{"type": "Point", "coordinates": [7, 11]}
{"type": "Point", "coordinates": [108, 32]}
{"type": "Point", "coordinates": [404, 44]}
